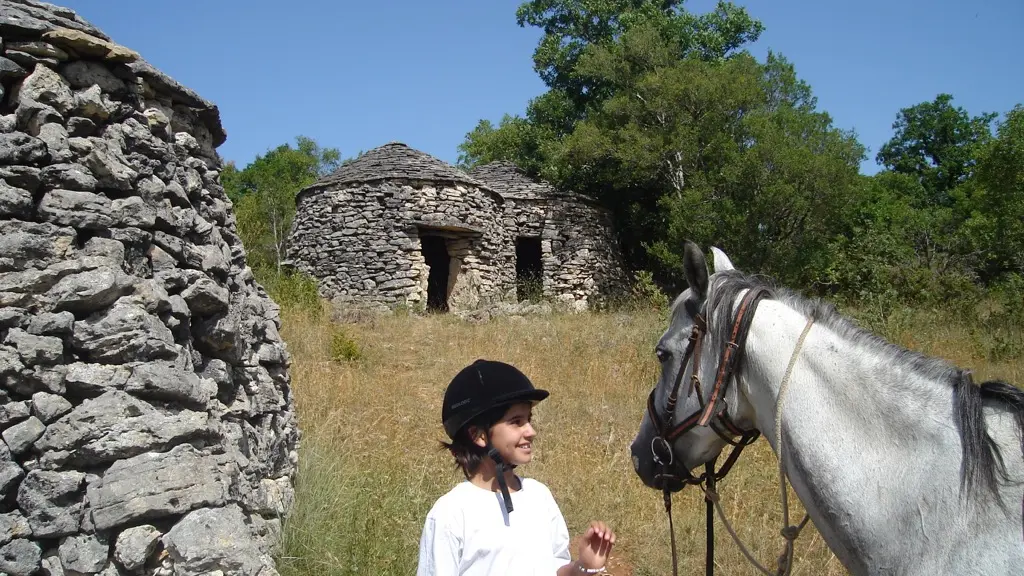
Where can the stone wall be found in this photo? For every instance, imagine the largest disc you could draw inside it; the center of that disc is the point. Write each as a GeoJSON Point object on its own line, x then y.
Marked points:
{"type": "Point", "coordinates": [580, 256]}
{"type": "Point", "coordinates": [146, 412]}
{"type": "Point", "coordinates": [581, 260]}
{"type": "Point", "coordinates": [362, 242]}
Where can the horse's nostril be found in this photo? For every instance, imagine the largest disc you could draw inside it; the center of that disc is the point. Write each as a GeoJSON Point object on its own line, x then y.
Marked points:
{"type": "Point", "coordinates": [636, 463]}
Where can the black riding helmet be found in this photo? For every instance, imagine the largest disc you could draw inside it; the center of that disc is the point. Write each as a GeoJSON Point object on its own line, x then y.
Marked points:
{"type": "Point", "coordinates": [479, 387]}
{"type": "Point", "coordinates": [483, 385]}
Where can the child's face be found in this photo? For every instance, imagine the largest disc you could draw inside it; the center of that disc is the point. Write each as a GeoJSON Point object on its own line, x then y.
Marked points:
{"type": "Point", "coordinates": [513, 435]}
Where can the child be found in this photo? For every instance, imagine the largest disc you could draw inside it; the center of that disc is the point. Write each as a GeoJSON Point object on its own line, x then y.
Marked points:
{"type": "Point", "coordinates": [496, 523]}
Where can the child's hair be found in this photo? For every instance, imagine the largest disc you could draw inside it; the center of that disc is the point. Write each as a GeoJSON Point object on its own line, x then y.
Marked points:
{"type": "Point", "coordinates": [469, 456]}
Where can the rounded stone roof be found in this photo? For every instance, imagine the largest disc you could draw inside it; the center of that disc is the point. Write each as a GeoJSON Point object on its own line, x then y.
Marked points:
{"type": "Point", "coordinates": [30, 20]}
{"type": "Point", "coordinates": [510, 181]}
{"type": "Point", "coordinates": [396, 160]}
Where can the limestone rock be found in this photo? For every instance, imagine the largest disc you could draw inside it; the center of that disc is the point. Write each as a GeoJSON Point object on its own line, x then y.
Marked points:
{"type": "Point", "coordinates": [55, 136]}
{"type": "Point", "coordinates": [109, 166]}
{"type": "Point", "coordinates": [218, 539]}
{"type": "Point", "coordinates": [52, 502]}
{"type": "Point", "coordinates": [158, 485]}
{"type": "Point", "coordinates": [32, 349]}
{"type": "Point", "coordinates": [14, 202]}
{"type": "Point", "coordinates": [11, 69]}
{"type": "Point", "coordinates": [169, 383]}
{"type": "Point", "coordinates": [13, 412]}
{"type": "Point", "coordinates": [113, 426]}
{"type": "Point", "coordinates": [10, 474]}
{"type": "Point", "coordinates": [79, 127]}
{"type": "Point", "coordinates": [29, 242]}
{"type": "Point", "coordinates": [47, 87]}
{"type": "Point", "coordinates": [13, 525]}
{"type": "Point", "coordinates": [75, 208]}
{"type": "Point", "coordinates": [110, 250]}
{"type": "Point", "coordinates": [205, 297]}
{"type": "Point", "coordinates": [89, 291]}
{"type": "Point", "coordinates": [25, 177]}
{"type": "Point", "coordinates": [19, 148]}
{"type": "Point", "coordinates": [30, 61]}
{"type": "Point", "coordinates": [49, 407]}
{"type": "Point", "coordinates": [36, 48]}
{"type": "Point", "coordinates": [20, 557]}
{"type": "Point", "coordinates": [124, 333]}
{"type": "Point", "coordinates": [86, 73]}
{"type": "Point", "coordinates": [68, 177]}
{"type": "Point", "coordinates": [133, 211]}
{"type": "Point", "coordinates": [83, 553]}
{"type": "Point", "coordinates": [51, 324]}
{"type": "Point", "coordinates": [95, 379]}
{"type": "Point", "coordinates": [21, 436]}
{"type": "Point", "coordinates": [134, 546]}
{"type": "Point", "coordinates": [89, 45]}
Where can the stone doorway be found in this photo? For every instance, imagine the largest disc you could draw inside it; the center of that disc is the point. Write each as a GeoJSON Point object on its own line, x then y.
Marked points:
{"type": "Point", "coordinates": [529, 269]}
{"type": "Point", "coordinates": [435, 253]}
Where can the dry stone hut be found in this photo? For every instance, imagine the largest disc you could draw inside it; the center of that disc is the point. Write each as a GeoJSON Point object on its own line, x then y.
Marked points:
{"type": "Point", "coordinates": [564, 240]}
{"type": "Point", "coordinates": [397, 226]}
{"type": "Point", "coordinates": [146, 412]}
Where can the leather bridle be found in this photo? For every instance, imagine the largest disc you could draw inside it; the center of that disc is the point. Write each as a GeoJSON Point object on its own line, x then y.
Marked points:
{"type": "Point", "coordinates": [713, 413]}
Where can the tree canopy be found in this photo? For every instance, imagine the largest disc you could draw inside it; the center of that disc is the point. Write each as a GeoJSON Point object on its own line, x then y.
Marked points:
{"type": "Point", "coordinates": [264, 195]}
{"type": "Point", "coordinates": [666, 118]}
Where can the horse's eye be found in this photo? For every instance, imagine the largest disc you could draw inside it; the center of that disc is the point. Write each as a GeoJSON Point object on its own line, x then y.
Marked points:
{"type": "Point", "coordinates": [662, 354]}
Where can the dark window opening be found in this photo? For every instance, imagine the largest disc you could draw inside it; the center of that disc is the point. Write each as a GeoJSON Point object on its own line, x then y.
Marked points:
{"type": "Point", "coordinates": [529, 271]}
{"type": "Point", "coordinates": [435, 252]}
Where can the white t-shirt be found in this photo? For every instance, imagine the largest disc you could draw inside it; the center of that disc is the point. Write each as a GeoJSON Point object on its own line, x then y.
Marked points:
{"type": "Point", "coordinates": [469, 533]}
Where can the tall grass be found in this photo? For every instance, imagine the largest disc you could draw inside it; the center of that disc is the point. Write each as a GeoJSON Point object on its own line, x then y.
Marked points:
{"type": "Point", "coordinates": [371, 466]}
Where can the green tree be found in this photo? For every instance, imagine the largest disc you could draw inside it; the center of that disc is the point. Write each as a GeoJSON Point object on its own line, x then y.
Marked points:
{"type": "Point", "coordinates": [571, 29]}
{"type": "Point", "coordinates": [939, 144]}
{"type": "Point", "coordinates": [996, 223]}
{"type": "Point", "coordinates": [264, 195]}
{"type": "Point", "coordinates": [728, 152]}
{"type": "Point", "coordinates": [661, 115]}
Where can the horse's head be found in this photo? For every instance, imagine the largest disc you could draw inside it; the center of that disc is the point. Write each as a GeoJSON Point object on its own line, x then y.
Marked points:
{"type": "Point", "coordinates": [685, 424]}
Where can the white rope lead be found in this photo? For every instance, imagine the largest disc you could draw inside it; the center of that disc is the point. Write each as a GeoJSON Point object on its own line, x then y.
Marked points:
{"type": "Point", "coordinates": [789, 532]}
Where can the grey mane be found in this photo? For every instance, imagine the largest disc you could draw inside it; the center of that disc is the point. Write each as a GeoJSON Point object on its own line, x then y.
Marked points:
{"type": "Point", "coordinates": [982, 459]}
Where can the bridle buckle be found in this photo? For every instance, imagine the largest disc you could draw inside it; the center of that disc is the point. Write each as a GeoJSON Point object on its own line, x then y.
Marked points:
{"type": "Point", "coordinates": [659, 441]}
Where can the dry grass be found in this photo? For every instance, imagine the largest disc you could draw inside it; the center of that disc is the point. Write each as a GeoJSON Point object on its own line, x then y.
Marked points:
{"type": "Point", "coordinates": [371, 468]}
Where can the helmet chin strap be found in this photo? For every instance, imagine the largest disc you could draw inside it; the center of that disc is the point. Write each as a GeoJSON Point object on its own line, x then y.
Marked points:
{"type": "Point", "coordinates": [500, 471]}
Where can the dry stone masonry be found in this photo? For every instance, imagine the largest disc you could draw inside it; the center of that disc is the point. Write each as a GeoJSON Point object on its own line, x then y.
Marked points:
{"type": "Point", "coordinates": [395, 224]}
{"type": "Point", "coordinates": [578, 252]}
{"type": "Point", "coordinates": [398, 227]}
{"type": "Point", "coordinates": [146, 412]}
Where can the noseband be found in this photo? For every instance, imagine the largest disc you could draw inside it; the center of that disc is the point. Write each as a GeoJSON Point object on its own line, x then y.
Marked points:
{"type": "Point", "coordinates": [714, 413]}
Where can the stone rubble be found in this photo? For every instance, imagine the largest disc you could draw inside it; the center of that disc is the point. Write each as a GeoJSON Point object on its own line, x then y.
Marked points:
{"type": "Point", "coordinates": [146, 411]}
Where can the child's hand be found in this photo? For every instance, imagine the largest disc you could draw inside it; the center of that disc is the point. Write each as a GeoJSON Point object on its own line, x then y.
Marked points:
{"type": "Point", "coordinates": [596, 545]}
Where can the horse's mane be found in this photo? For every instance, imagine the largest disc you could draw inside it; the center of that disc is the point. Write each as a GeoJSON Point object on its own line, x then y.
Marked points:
{"type": "Point", "coordinates": [982, 458]}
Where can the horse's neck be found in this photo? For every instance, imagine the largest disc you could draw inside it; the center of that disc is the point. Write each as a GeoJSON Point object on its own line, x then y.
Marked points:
{"type": "Point", "coordinates": [870, 447]}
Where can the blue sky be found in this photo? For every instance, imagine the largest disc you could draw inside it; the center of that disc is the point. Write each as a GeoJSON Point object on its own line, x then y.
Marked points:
{"type": "Point", "coordinates": [355, 75]}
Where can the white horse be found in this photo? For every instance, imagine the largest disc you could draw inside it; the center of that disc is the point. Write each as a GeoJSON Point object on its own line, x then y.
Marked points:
{"type": "Point", "coordinates": [902, 463]}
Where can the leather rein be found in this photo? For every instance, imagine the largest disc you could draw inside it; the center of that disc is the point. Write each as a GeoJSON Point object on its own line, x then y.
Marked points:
{"type": "Point", "coordinates": [713, 413]}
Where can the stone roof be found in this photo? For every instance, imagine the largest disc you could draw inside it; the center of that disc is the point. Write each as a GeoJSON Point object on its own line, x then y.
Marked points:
{"type": "Point", "coordinates": [510, 181]}
{"type": "Point", "coordinates": [30, 20]}
{"type": "Point", "coordinates": [397, 160]}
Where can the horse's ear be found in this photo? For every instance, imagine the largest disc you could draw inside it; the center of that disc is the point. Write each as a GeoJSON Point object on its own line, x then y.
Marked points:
{"type": "Point", "coordinates": [721, 262]}
{"type": "Point", "coordinates": [696, 268]}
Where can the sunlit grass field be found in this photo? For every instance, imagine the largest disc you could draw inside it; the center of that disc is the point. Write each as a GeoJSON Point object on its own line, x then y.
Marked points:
{"type": "Point", "coordinates": [371, 467]}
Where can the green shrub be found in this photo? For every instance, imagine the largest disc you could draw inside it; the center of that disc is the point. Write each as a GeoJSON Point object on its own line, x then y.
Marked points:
{"type": "Point", "coordinates": [646, 294]}
{"type": "Point", "coordinates": [343, 348]}
{"type": "Point", "coordinates": [293, 290]}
